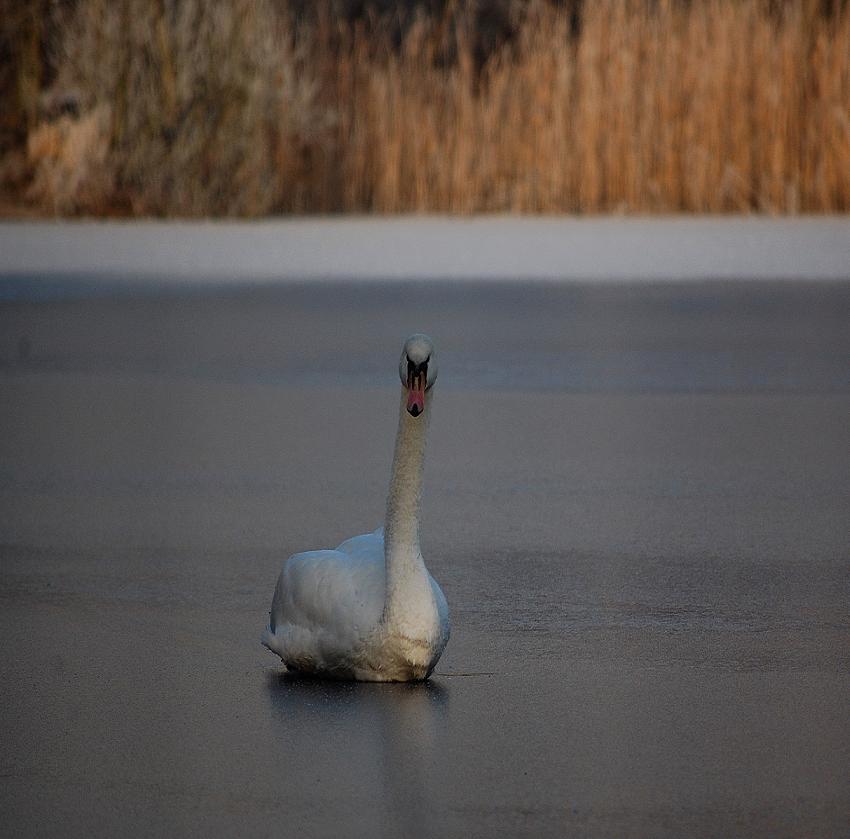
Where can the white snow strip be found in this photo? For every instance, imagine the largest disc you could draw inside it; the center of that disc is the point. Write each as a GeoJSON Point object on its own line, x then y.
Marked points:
{"type": "Point", "coordinates": [418, 248]}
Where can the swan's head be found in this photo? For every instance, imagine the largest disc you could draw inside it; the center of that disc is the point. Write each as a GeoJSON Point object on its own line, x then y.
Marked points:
{"type": "Point", "coordinates": [418, 371]}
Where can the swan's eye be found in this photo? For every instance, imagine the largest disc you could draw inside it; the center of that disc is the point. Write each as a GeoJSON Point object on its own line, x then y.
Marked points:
{"type": "Point", "coordinates": [424, 373]}
{"type": "Point", "coordinates": [417, 370]}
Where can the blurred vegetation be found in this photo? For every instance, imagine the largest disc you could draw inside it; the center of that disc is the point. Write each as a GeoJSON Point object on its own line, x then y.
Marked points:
{"type": "Point", "coordinates": [250, 107]}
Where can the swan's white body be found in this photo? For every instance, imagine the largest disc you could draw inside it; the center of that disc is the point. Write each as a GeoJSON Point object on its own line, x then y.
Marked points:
{"type": "Point", "coordinates": [369, 610]}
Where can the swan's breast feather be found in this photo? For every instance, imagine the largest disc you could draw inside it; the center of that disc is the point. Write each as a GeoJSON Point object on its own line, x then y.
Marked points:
{"type": "Point", "coordinates": [442, 614]}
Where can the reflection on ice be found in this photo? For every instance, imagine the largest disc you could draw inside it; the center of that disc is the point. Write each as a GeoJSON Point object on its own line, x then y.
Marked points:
{"type": "Point", "coordinates": [367, 738]}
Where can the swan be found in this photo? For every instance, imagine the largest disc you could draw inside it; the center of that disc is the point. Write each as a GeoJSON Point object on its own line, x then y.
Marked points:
{"type": "Point", "coordinates": [369, 610]}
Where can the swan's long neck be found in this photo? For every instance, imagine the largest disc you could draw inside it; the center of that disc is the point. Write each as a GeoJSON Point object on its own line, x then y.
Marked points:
{"type": "Point", "coordinates": [405, 568]}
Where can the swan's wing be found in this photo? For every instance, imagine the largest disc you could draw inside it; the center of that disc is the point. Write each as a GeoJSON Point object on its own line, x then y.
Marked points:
{"type": "Point", "coordinates": [368, 544]}
{"type": "Point", "coordinates": [335, 591]}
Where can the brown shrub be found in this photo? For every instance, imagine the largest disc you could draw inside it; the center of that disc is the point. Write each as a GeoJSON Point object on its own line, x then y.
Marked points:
{"type": "Point", "coordinates": [208, 101]}
{"type": "Point", "coordinates": [70, 163]}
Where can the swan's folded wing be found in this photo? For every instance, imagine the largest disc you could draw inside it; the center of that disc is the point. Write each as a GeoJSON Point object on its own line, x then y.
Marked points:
{"type": "Point", "coordinates": [369, 546]}
{"type": "Point", "coordinates": [330, 590]}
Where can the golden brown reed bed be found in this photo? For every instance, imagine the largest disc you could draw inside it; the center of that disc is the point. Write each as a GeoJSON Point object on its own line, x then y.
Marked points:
{"type": "Point", "coordinates": [235, 108]}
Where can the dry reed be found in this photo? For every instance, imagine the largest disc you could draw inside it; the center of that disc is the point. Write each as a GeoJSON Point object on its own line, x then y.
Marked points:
{"type": "Point", "coordinates": [214, 108]}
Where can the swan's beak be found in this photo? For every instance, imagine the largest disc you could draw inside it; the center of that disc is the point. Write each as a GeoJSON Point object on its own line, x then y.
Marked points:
{"type": "Point", "coordinates": [416, 392]}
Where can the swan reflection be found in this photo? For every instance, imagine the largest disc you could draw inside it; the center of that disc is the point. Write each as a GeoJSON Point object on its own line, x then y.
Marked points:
{"type": "Point", "coordinates": [374, 748]}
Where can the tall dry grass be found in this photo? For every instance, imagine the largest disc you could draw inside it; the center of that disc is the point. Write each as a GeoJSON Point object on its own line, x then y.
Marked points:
{"type": "Point", "coordinates": [240, 108]}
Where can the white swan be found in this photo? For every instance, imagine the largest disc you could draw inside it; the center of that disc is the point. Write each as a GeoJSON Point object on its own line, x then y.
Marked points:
{"type": "Point", "coordinates": [370, 610]}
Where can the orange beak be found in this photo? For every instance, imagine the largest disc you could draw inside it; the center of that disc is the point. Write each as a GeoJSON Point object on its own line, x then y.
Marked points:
{"type": "Point", "coordinates": [416, 392]}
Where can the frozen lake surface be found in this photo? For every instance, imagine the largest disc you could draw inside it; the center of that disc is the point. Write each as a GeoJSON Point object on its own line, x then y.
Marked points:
{"type": "Point", "coordinates": [636, 502]}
